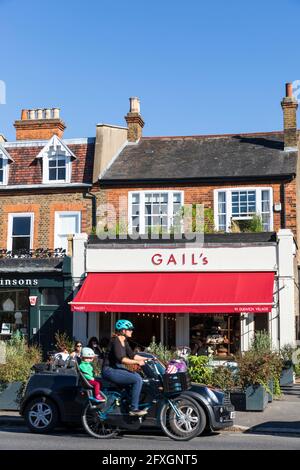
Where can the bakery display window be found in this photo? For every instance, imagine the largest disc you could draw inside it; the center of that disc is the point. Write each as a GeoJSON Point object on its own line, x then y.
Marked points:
{"type": "Point", "coordinates": [216, 335]}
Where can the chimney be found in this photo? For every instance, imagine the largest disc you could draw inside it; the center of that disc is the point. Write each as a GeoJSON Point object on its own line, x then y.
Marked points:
{"type": "Point", "coordinates": [39, 124]}
{"type": "Point", "coordinates": [134, 120]}
{"type": "Point", "coordinates": [289, 105]}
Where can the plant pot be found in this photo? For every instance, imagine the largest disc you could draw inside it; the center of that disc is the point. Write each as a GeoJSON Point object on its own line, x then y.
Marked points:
{"type": "Point", "coordinates": [254, 398]}
{"type": "Point", "coordinates": [287, 376]}
{"type": "Point", "coordinates": [9, 396]}
{"type": "Point", "coordinates": [271, 387]}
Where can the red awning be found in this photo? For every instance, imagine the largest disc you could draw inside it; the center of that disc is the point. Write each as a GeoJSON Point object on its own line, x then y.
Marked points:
{"type": "Point", "coordinates": [176, 292]}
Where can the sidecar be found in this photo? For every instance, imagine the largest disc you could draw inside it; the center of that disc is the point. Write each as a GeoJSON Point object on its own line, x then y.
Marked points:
{"type": "Point", "coordinates": [57, 396]}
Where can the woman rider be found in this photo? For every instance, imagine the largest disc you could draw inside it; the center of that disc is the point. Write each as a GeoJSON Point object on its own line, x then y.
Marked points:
{"type": "Point", "coordinates": [119, 354]}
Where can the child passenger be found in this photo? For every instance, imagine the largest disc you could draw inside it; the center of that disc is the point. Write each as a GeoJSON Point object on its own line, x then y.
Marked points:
{"type": "Point", "coordinates": [85, 366]}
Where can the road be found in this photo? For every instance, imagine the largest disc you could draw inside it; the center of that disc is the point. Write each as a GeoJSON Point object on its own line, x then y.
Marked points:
{"type": "Point", "coordinates": [18, 438]}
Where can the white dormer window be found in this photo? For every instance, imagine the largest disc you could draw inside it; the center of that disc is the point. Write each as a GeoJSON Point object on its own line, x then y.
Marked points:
{"type": "Point", "coordinates": [4, 164]}
{"type": "Point", "coordinates": [3, 170]}
{"type": "Point", "coordinates": [57, 162]}
{"type": "Point", "coordinates": [56, 167]}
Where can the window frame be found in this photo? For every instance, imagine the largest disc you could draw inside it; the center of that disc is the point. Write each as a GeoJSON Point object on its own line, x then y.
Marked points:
{"type": "Point", "coordinates": [5, 169]}
{"type": "Point", "coordinates": [11, 217]}
{"type": "Point", "coordinates": [56, 221]}
{"type": "Point", "coordinates": [258, 196]}
{"type": "Point", "coordinates": [142, 207]}
{"type": "Point", "coordinates": [46, 168]}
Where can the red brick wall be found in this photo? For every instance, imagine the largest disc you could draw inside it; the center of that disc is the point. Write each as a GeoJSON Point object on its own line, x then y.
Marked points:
{"type": "Point", "coordinates": [203, 194]}
{"type": "Point", "coordinates": [43, 206]}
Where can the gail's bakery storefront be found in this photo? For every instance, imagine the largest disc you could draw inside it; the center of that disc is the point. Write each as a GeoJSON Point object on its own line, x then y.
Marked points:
{"type": "Point", "coordinates": [215, 295]}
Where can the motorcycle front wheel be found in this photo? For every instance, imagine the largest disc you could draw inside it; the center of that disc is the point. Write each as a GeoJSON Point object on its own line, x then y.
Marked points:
{"type": "Point", "coordinates": [96, 427]}
{"type": "Point", "coordinates": [182, 419]}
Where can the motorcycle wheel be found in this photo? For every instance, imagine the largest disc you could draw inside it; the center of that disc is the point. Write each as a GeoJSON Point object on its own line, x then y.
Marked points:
{"type": "Point", "coordinates": [96, 427]}
{"type": "Point", "coordinates": [190, 424]}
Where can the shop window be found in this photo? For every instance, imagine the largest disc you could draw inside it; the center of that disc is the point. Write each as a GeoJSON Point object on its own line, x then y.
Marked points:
{"type": "Point", "coordinates": [66, 223]}
{"type": "Point", "coordinates": [158, 212]}
{"type": "Point", "coordinates": [215, 334]}
{"type": "Point", "coordinates": [240, 205]}
{"type": "Point", "coordinates": [14, 307]}
{"type": "Point", "coordinates": [20, 232]}
{"type": "Point", "coordinates": [52, 296]}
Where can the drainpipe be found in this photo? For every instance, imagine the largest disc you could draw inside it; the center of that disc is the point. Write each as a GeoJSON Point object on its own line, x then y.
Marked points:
{"type": "Point", "coordinates": [90, 195]}
{"type": "Point", "coordinates": [283, 210]}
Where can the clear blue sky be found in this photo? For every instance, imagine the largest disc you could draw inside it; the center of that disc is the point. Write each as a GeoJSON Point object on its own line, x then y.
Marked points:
{"type": "Point", "coordinates": [198, 67]}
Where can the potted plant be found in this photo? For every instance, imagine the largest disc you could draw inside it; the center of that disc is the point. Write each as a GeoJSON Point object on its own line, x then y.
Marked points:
{"type": "Point", "coordinates": [287, 373]}
{"type": "Point", "coordinates": [223, 377]}
{"type": "Point", "coordinates": [200, 370]}
{"type": "Point", "coordinates": [15, 370]}
{"type": "Point", "coordinates": [253, 378]}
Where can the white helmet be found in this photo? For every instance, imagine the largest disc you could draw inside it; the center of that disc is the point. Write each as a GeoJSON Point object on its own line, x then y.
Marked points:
{"type": "Point", "coordinates": [87, 352]}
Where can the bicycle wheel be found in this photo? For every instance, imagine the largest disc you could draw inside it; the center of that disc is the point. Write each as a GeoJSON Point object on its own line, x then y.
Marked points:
{"type": "Point", "coordinates": [96, 427]}
{"type": "Point", "coordinates": [183, 422]}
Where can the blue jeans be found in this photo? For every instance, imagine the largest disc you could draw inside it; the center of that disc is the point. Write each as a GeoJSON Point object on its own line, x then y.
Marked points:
{"type": "Point", "coordinates": [125, 377]}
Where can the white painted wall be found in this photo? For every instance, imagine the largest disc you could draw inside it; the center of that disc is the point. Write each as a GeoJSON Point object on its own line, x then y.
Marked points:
{"type": "Point", "coordinates": [233, 258]}
{"type": "Point", "coordinates": [78, 273]}
{"type": "Point", "coordinates": [287, 285]}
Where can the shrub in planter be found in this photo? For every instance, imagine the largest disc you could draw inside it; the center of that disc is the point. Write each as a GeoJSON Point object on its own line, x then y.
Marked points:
{"type": "Point", "coordinates": [287, 372]}
{"type": "Point", "coordinates": [262, 347]}
{"type": "Point", "coordinates": [19, 360]}
{"type": "Point", "coordinates": [199, 369]}
{"type": "Point", "coordinates": [161, 351]}
{"type": "Point", "coordinates": [253, 378]}
{"type": "Point", "coordinates": [222, 377]}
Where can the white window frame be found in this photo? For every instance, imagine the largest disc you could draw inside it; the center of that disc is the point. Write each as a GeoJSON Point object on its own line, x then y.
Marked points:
{"type": "Point", "coordinates": [142, 206]}
{"type": "Point", "coordinates": [46, 169]}
{"type": "Point", "coordinates": [5, 169]}
{"type": "Point", "coordinates": [13, 215]}
{"type": "Point", "coordinates": [56, 222]}
{"type": "Point", "coordinates": [258, 191]}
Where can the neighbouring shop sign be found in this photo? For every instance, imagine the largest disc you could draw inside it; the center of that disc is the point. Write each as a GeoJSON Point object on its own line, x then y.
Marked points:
{"type": "Point", "coordinates": [244, 258]}
{"type": "Point", "coordinates": [19, 282]}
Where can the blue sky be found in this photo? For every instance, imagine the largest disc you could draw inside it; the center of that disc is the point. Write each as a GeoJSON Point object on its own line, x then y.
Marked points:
{"type": "Point", "coordinates": [198, 67]}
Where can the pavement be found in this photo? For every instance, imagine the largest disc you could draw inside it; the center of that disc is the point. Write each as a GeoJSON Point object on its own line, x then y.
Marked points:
{"type": "Point", "coordinates": [280, 417]}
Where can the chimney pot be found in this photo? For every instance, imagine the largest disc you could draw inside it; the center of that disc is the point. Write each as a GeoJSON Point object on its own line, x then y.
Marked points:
{"type": "Point", "coordinates": [32, 114]}
{"type": "Point", "coordinates": [289, 90]}
{"type": "Point", "coordinates": [39, 114]}
{"type": "Point", "coordinates": [134, 105]}
{"type": "Point", "coordinates": [48, 113]}
{"type": "Point", "coordinates": [55, 113]}
{"type": "Point", "coordinates": [24, 114]}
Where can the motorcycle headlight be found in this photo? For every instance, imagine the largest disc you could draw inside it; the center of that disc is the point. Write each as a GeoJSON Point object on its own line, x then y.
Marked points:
{"type": "Point", "coordinates": [212, 395]}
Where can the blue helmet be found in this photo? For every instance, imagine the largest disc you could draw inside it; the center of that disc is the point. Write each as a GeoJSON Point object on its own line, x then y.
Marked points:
{"type": "Point", "coordinates": [123, 325]}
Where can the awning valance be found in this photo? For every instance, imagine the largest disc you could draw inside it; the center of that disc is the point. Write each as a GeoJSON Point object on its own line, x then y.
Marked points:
{"type": "Point", "coordinates": [176, 292]}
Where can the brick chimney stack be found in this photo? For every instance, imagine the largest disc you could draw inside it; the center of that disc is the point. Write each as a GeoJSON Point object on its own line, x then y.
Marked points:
{"type": "Point", "coordinates": [134, 120]}
{"type": "Point", "coordinates": [289, 105]}
{"type": "Point", "coordinates": [39, 124]}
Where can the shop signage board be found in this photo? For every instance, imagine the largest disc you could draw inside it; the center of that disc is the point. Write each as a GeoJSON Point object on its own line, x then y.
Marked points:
{"type": "Point", "coordinates": [21, 282]}
{"type": "Point", "coordinates": [255, 258]}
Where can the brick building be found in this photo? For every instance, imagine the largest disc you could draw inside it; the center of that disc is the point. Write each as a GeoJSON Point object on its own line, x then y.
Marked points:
{"type": "Point", "coordinates": [240, 179]}
{"type": "Point", "coordinates": [45, 184]}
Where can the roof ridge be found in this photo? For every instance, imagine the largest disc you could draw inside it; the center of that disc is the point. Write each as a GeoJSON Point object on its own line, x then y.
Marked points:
{"type": "Point", "coordinates": [204, 136]}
